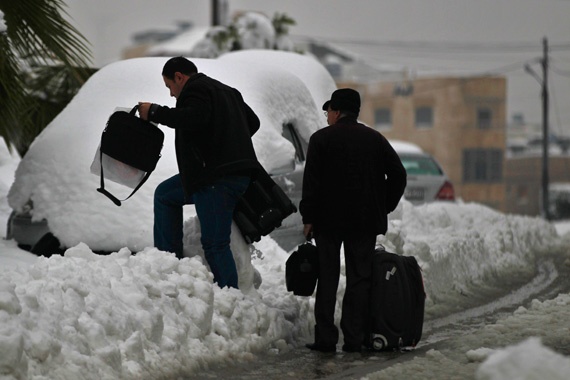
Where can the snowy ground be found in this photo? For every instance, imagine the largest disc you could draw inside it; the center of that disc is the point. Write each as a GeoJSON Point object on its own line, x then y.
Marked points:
{"type": "Point", "coordinates": [149, 315]}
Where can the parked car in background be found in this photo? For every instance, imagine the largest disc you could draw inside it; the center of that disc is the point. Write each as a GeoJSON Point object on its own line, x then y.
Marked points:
{"type": "Point", "coordinates": [427, 182]}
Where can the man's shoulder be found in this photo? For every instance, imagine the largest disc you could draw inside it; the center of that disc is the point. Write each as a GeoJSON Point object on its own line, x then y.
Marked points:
{"type": "Point", "coordinates": [349, 129]}
{"type": "Point", "coordinates": [322, 134]}
{"type": "Point", "coordinates": [199, 79]}
{"type": "Point", "coordinates": [201, 84]}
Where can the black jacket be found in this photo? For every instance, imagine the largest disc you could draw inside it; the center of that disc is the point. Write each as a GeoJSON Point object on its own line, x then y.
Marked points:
{"type": "Point", "coordinates": [213, 128]}
{"type": "Point", "coordinates": [353, 178]}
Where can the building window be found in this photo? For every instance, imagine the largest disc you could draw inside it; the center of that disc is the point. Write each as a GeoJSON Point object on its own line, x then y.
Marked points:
{"type": "Point", "coordinates": [484, 118]}
{"type": "Point", "coordinates": [382, 118]}
{"type": "Point", "coordinates": [522, 194]}
{"type": "Point", "coordinates": [482, 165]}
{"type": "Point", "coordinates": [424, 117]}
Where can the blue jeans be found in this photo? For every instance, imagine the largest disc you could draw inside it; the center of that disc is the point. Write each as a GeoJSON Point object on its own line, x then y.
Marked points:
{"type": "Point", "coordinates": [215, 206]}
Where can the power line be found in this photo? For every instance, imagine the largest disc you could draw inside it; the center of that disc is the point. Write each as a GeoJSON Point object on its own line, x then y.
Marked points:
{"type": "Point", "coordinates": [444, 56]}
{"type": "Point", "coordinates": [443, 47]}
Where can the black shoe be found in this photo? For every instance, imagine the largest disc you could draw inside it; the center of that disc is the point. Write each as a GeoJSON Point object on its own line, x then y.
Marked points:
{"type": "Point", "coordinates": [321, 347]}
{"type": "Point", "coordinates": [351, 348]}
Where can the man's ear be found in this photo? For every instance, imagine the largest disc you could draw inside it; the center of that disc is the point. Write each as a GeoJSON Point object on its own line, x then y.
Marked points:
{"type": "Point", "coordinates": [178, 75]}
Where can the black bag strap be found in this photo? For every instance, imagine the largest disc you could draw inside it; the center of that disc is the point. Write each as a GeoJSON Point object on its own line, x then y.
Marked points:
{"type": "Point", "coordinates": [114, 199]}
{"type": "Point", "coordinates": [106, 193]}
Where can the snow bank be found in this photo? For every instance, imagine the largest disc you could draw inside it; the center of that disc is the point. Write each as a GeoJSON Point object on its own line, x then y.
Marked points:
{"type": "Point", "coordinates": [127, 316]}
{"type": "Point", "coordinates": [150, 315]}
{"type": "Point", "coordinates": [528, 360]}
{"type": "Point", "coordinates": [463, 246]}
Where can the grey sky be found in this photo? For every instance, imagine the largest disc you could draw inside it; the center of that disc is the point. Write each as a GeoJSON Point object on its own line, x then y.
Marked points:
{"type": "Point", "coordinates": [499, 27]}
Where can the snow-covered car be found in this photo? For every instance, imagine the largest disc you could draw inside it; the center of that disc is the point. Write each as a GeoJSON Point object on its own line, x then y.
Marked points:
{"type": "Point", "coordinates": [427, 182]}
{"type": "Point", "coordinates": [54, 194]}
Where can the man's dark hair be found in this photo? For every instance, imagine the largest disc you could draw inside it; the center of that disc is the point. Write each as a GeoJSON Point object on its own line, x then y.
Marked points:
{"type": "Point", "coordinates": [178, 64]}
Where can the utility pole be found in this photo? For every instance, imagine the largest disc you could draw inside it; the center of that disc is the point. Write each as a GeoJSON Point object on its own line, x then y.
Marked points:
{"type": "Point", "coordinates": [545, 134]}
{"type": "Point", "coordinates": [219, 12]}
{"type": "Point", "coordinates": [215, 13]}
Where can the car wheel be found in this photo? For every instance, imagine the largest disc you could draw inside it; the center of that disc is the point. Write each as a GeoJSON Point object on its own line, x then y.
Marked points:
{"type": "Point", "coordinates": [47, 246]}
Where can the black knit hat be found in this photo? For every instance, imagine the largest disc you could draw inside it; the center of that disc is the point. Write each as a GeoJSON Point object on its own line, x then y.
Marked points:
{"type": "Point", "coordinates": [344, 99]}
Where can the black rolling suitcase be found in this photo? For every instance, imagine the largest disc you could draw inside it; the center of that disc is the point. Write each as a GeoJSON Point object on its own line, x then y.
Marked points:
{"type": "Point", "coordinates": [262, 207]}
{"type": "Point", "coordinates": [397, 302]}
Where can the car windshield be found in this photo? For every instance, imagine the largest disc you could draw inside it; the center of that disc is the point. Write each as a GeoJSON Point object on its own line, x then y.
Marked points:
{"type": "Point", "coordinates": [420, 165]}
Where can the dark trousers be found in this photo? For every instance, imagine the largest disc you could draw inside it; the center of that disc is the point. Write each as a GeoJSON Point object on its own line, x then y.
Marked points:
{"type": "Point", "coordinates": [215, 205]}
{"type": "Point", "coordinates": [358, 251]}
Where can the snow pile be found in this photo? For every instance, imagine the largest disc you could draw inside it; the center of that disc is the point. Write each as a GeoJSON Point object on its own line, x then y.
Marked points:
{"type": "Point", "coordinates": [255, 31]}
{"type": "Point", "coordinates": [461, 247]}
{"type": "Point", "coordinates": [251, 30]}
{"type": "Point", "coordinates": [149, 315]}
{"type": "Point", "coordinates": [528, 360]}
{"type": "Point", "coordinates": [129, 316]}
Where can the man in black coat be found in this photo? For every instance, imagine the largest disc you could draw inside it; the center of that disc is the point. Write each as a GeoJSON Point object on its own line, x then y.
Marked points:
{"type": "Point", "coordinates": [213, 128]}
{"type": "Point", "coordinates": [353, 178]}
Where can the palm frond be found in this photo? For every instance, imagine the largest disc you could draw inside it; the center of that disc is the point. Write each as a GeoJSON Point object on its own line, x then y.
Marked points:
{"type": "Point", "coordinates": [37, 38]}
{"type": "Point", "coordinates": [39, 32]}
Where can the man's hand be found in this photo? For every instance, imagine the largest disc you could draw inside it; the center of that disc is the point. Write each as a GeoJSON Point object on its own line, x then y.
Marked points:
{"type": "Point", "coordinates": [143, 110]}
{"type": "Point", "coordinates": [308, 231]}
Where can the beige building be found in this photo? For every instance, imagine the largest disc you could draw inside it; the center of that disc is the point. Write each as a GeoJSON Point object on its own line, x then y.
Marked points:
{"type": "Point", "coordinates": [524, 186]}
{"type": "Point", "coordinates": [460, 121]}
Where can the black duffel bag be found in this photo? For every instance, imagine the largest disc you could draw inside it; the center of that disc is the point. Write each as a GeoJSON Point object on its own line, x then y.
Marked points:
{"type": "Point", "coordinates": [262, 208]}
{"type": "Point", "coordinates": [133, 142]}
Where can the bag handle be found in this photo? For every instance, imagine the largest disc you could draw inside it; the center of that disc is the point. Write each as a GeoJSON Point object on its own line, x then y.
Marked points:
{"type": "Point", "coordinates": [134, 110]}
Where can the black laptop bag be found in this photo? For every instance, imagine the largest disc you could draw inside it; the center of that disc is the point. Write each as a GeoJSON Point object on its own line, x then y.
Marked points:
{"type": "Point", "coordinates": [132, 141]}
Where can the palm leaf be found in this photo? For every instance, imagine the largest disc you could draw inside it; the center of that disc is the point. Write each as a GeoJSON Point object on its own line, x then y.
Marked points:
{"type": "Point", "coordinates": [37, 36]}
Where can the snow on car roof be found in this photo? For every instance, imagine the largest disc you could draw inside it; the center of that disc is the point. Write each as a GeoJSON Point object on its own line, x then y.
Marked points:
{"type": "Point", "coordinates": [405, 147]}
{"type": "Point", "coordinates": [55, 173]}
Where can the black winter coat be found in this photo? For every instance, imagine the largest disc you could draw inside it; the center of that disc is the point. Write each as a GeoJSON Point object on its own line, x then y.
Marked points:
{"type": "Point", "coordinates": [213, 128]}
{"type": "Point", "coordinates": [353, 178]}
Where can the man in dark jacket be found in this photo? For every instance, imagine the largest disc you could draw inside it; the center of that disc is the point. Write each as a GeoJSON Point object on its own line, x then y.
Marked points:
{"type": "Point", "coordinates": [353, 178]}
{"type": "Point", "coordinates": [213, 128]}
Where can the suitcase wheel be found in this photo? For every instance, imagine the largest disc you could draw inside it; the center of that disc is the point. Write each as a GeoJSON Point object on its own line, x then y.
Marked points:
{"type": "Point", "coordinates": [379, 342]}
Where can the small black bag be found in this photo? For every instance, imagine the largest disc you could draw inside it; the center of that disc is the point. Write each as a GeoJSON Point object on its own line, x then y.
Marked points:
{"type": "Point", "coordinates": [132, 141]}
{"type": "Point", "coordinates": [302, 270]}
{"type": "Point", "coordinates": [262, 207]}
